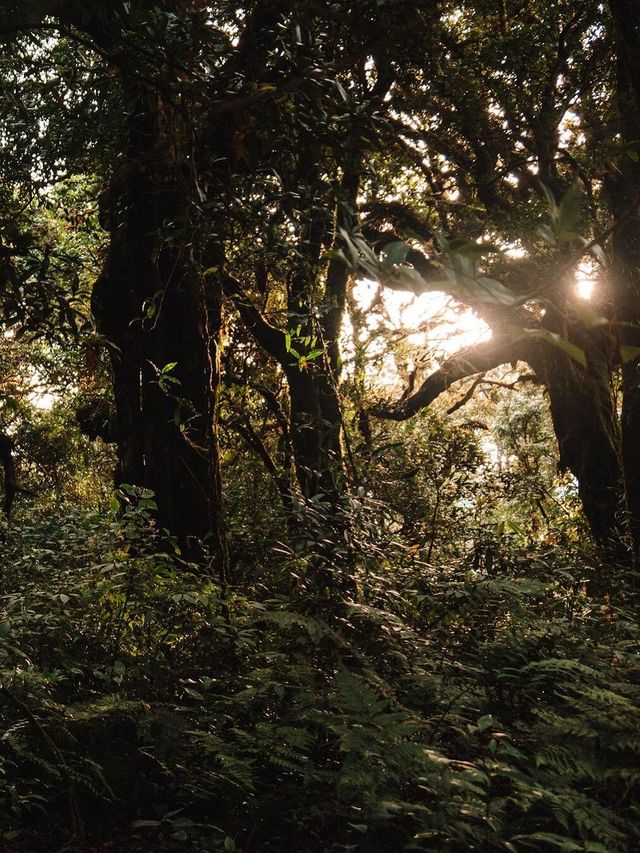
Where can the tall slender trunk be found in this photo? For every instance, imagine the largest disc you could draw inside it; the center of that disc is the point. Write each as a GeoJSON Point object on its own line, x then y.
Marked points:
{"type": "Point", "coordinates": [315, 427]}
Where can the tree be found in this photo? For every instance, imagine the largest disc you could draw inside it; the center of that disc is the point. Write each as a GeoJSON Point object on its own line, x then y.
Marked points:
{"type": "Point", "coordinates": [300, 192]}
{"type": "Point", "coordinates": [499, 151]}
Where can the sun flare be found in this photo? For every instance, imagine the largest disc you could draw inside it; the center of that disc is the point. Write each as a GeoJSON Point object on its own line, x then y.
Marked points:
{"type": "Point", "coordinates": [433, 321]}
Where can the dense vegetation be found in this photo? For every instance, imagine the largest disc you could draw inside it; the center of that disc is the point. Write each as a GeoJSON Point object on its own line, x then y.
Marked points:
{"type": "Point", "coordinates": [319, 417]}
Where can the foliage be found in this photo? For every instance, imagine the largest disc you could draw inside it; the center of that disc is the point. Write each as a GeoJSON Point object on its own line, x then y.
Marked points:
{"type": "Point", "coordinates": [439, 708]}
{"type": "Point", "coordinates": [292, 624]}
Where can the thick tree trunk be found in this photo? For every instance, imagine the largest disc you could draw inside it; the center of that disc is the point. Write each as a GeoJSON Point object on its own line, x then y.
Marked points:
{"type": "Point", "coordinates": [624, 196]}
{"type": "Point", "coordinates": [586, 427]}
{"type": "Point", "coordinates": [150, 302]}
{"type": "Point", "coordinates": [626, 271]}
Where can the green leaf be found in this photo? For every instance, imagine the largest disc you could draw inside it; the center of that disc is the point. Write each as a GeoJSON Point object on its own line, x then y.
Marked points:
{"type": "Point", "coordinates": [493, 291]}
{"type": "Point", "coordinates": [599, 254]}
{"type": "Point", "coordinates": [547, 233]}
{"type": "Point", "coordinates": [551, 202]}
{"type": "Point", "coordinates": [485, 722]}
{"type": "Point", "coordinates": [570, 209]}
{"type": "Point", "coordinates": [168, 367]}
{"type": "Point", "coordinates": [576, 353]}
{"type": "Point", "coordinates": [551, 839]}
{"type": "Point", "coordinates": [471, 248]}
{"type": "Point", "coordinates": [629, 353]}
{"type": "Point", "coordinates": [395, 253]}
{"type": "Point", "coordinates": [590, 318]}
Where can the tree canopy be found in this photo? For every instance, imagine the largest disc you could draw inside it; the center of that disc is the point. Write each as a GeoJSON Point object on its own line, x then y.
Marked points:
{"type": "Point", "coordinates": [319, 417]}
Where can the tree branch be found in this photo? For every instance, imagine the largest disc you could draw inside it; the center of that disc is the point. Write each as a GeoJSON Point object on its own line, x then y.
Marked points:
{"type": "Point", "coordinates": [478, 359]}
{"type": "Point", "coordinates": [269, 337]}
{"type": "Point", "coordinates": [280, 475]}
{"type": "Point", "coordinates": [402, 216]}
{"type": "Point", "coordinates": [467, 395]}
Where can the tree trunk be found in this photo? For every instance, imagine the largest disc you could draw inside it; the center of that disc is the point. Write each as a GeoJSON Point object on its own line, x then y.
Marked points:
{"type": "Point", "coordinates": [586, 427]}
{"type": "Point", "coordinates": [151, 304]}
{"type": "Point", "coordinates": [624, 196]}
{"type": "Point", "coordinates": [315, 427]}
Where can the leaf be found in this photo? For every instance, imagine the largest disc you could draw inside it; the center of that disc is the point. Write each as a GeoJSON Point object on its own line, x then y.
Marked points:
{"type": "Point", "coordinates": [491, 290]}
{"type": "Point", "coordinates": [570, 209]}
{"type": "Point", "coordinates": [395, 253]}
{"type": "Point", "coordinates": [561, 842]}
{"type": "Point", "coordinates": [567, 236]}
{"type": "Point", "coordinates": [629, 353]}
{"type": "Point", "coordinates": [551, 202]}
{"type": "Point", "coordinates": [599, 254]}
{"type": "Point", "coordinates": [547, 233]}
{"type": "Point", "coordinates": [168, 367]}
{"type": "Point", "coordinates": [341, 91]}
{"type": "Point", "coordinates": [590, 318]}
{"type": "Point", "coordinates": [485, 722]}
{"type": "Point", "coordinates": [576, 353]}
{"type": "Point", "coordinates": [472, 248]}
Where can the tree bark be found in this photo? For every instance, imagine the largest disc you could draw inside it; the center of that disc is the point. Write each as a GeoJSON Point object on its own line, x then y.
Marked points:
{"type": "Point", "coordinates": [624, 198]}
{"type": "Point", "coordinates": [151, 304]}
{"type": "Point", "coordinates": [588, 434]}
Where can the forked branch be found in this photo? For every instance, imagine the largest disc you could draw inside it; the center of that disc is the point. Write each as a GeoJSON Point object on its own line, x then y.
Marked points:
{"type": "Point", "coordinates": [468, 362]}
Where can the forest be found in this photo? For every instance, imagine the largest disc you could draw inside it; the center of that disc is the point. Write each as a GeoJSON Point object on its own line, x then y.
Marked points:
{"type": "Point", "coordinates": [319, 426]}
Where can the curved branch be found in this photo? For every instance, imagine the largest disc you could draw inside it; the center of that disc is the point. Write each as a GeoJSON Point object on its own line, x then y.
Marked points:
{"type": "Point", "coordinates": [467, 395]}
{"type": "Point", "coordinates": [468, 362]}
{"type": "Point", "coordinates": [279, 474]}
{"type": "Point", "coordinates": [269, 337]}
{"type": "Point", "coordinates": [401, 216]}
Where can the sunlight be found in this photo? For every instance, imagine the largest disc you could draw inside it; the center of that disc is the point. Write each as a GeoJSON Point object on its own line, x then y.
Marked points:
{"type": "Point", "coordinates": [40, 396]}
{"type": "Point", "coordinates": [432, 321]}
{"type": "Point", "coordinates": [42, 400]}
{"type": "Point", "coordinates": [585, 280]}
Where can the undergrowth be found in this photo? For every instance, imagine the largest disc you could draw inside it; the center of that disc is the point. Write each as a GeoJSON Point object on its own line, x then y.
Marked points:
{"type": "Point", "coordinates": [435, 708]}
